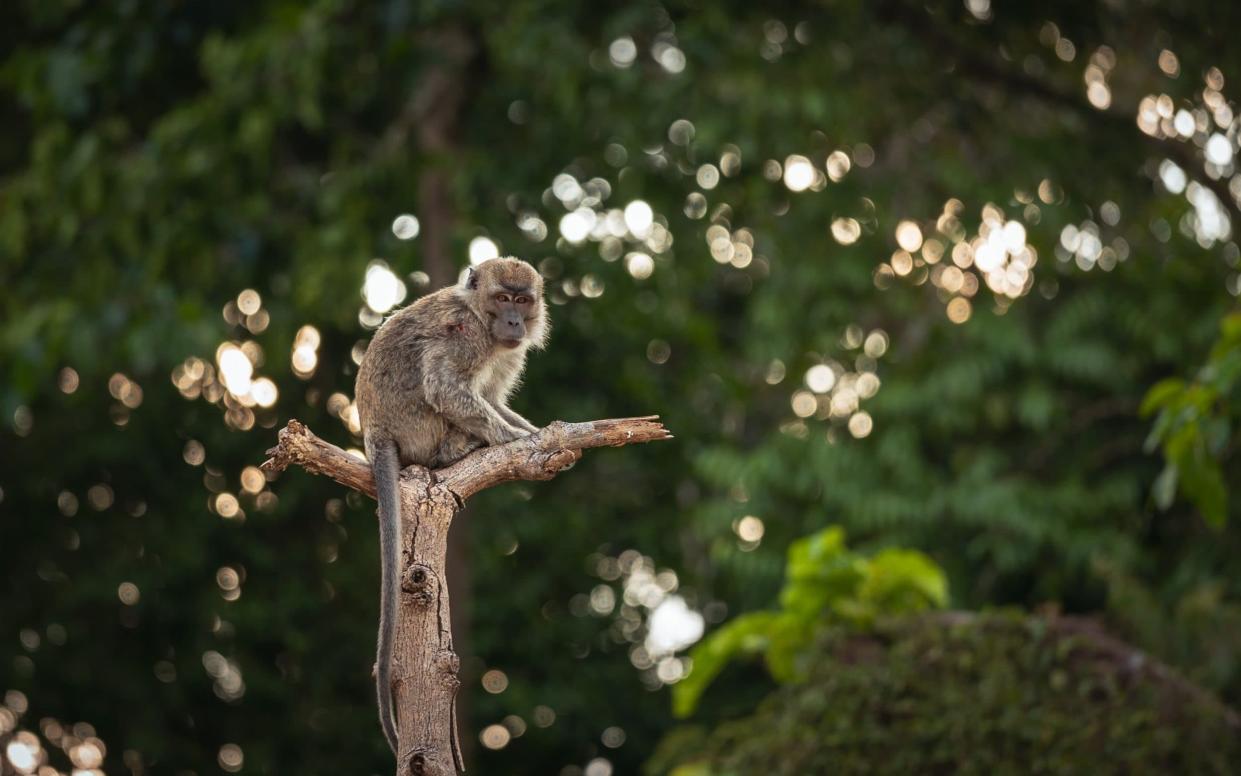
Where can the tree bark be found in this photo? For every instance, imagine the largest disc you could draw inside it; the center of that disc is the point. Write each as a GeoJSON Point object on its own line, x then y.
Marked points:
{"type": "Point", "coordinates": [424, 683]}
{"type": "Point", "coordinates": [440, 103]}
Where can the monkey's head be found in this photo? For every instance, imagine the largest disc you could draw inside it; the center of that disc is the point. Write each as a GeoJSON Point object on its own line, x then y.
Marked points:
{"type": "Point", "coordinates": [507, 295]}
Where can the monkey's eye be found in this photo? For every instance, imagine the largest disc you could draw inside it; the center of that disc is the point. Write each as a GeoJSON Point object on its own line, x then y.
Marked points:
{"type": "Point", "coordinates": [501, 297]}
{"type": "Point", "coordinates": [522, 300]}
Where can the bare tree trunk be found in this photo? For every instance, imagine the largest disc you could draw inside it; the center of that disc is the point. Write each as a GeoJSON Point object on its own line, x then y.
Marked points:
{"type": "Point", "coordinates": [424, 676]}
{"type": "Point", "coordinates": [438, 106]}
{"type": "Point", "coordinates": [435, 209]}
{"type": "Point", "coordinates": [431, 119]}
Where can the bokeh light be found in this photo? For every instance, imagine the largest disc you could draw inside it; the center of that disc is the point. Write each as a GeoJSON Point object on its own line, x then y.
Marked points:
{"type": "Point", "coordinates": [495, 681]}
{"type": "Point", "coordinates": [673, 626]}
{"type": "Point", "coordinates": [483, 248]}
{"type": "Point", "coordinates": [908, 236]}
{"type": "Point", "coordinates": [798, 173]}
{"type": "Point", "coordinates": [638, 218]}
{"type": "Point", "coordinates": [622, 52]}
{"type": "Point", "coordinates": [231, 758]}
{"type": "Point", "coordinates": [846, 231]}
{"type": "Point", "coordinates": [640, 265]}
{"type": "Point", "coordinates": [495, 736]}
{"type": "Point", "coordinates": [234, 368]}
{"type": "Point", "coordinates": [128, 593]}
{"type": "Point", "coordinates": [838, 165]}
{"type": "Point", "coordinates": [749, 529]}
{"type": "Point", "coordinates": [820, 378]}
{"type": "Point", "coordinates": [305, 352]}
{"type": "Point", "coordinates": [406, 227]}
{"type": "Point", "coordinates": [860, 424]}
{"type": "Point", "coordinates": [68, 380]}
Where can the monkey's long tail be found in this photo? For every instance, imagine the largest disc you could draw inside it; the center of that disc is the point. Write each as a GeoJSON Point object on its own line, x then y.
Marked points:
{"type": "Point", "coordinates": [386, 467]}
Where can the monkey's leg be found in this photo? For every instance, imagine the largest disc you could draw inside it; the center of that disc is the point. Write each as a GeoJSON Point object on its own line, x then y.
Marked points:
{"type": "Point", "coordinates": [456, 445]}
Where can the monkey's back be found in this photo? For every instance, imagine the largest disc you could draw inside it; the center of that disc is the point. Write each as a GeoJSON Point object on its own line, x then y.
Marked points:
{"type": "Point", "coordinates": [389, 389]}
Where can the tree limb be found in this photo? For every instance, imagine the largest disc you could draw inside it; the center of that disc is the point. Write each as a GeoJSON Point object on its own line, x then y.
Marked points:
{"type": "Point", "coordinates": [297, 444]}
{"type": "Point", "coordinates": [539, 456]}
{"type": "Point", "coordinates": [545, 454]}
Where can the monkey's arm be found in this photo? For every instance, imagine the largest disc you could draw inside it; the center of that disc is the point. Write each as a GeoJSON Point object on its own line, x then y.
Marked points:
{"type": "Point", "coordinates": [515, 419]}
{"type": "Point", "coordinates": [501, 387]}
{"type": "Point", "coordinates": [448, 391]}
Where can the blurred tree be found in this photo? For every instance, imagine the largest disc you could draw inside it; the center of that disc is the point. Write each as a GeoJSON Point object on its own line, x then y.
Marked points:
{"type": "Point", "coordinates": [753, 220]}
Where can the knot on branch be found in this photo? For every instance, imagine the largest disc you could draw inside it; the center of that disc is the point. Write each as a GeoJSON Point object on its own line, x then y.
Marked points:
{"type": "Point", "coordinates": [425, 761]}
{"type": "Point", "coordinates": [545, 466]}
{"type": "Point", "coordinates": [417, 581]}
{"type": "Point", "coordinates": [418, 763]}
{"type": "Point", "coordinates": [448, 664]}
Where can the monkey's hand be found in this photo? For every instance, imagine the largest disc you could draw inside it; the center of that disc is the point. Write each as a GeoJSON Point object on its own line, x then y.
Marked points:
{"type": "Point", "coordinates": [529, 427]}
{"type": "Point", "coordinates": [517, 420]}
{"type": "Point", "coordinates": [503, 434]}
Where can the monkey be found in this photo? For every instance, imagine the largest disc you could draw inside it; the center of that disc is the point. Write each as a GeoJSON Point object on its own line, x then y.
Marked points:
{"type": "Point", "coordinates": [434, 386]}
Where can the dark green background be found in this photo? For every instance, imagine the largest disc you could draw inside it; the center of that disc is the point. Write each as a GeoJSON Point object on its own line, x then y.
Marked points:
{"type": "Point", "coordinates": [158, 158]}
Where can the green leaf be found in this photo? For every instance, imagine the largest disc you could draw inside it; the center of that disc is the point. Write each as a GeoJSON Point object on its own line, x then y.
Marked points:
{"type": "Point", "coordinates": [1203, 483]}
{"type": "Point", "coordinates": [1160, 395]}
{"type": "Point", "coordinates": [1164, 488]}
{"type": "Point", "coordinates": [748, 634]}
{"type": "Point", "coordinates": [790, 636]}
{"type": "Point", "coordinates": [1230, 327]}
{"type": "Point", "coordinates": [905, 581]}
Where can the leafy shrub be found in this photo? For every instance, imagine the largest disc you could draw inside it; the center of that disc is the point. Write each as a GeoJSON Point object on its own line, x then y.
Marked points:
{"type": "Point", "coordinates": [957, 693]}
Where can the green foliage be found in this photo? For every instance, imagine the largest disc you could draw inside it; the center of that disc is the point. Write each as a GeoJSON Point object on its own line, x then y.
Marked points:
{"type": "Point", "coordinates": [825, 585]}
{"type": "Point", "coordinates": [995, 693]}
{"type": "Point", "coordinates": [1194, 427]}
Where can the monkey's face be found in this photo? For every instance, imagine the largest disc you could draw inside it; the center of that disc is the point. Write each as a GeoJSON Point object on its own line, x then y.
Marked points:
{"type": "Point", "coordinates": [507, 294]}
{"type": "Point", "coordinates": [507, 311]}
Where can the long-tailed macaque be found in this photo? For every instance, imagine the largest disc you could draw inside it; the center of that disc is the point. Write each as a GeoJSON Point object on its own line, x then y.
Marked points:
{"type": "Point", "coordinates": [433, 386]}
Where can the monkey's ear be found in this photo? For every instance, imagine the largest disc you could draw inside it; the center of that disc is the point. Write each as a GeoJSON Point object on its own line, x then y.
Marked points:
{"type": "Point", "coordinates": [471, 282]}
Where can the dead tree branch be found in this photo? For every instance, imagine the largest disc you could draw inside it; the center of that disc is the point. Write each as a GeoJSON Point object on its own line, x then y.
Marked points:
{"type": "Point", "coordinates": [425, 663]}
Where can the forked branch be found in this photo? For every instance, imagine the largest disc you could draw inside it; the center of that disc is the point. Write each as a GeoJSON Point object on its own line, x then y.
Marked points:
{"type": "Point", "coordinates": [425, 663]}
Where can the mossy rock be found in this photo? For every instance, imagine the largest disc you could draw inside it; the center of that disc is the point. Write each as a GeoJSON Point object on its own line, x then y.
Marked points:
{"type": "Point", "coordinates": [965, 694]}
